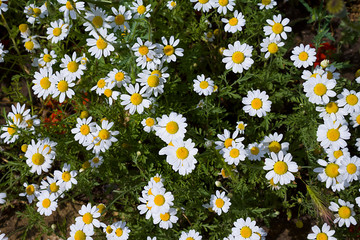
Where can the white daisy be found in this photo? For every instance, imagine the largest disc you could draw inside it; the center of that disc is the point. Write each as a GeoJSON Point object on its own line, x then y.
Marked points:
{"type": "Point", "coordinates": [111, 94]}
{"type": "Point", "coordinates": [319, 89]}
{"type": "Point", "coordinates": [120, 77]}
{"type": "Point", "coordinates": [203, 86]}
{"type": "Point", "coordinates": [140, 9]}
{"type": "Point", "coordinates": [99, 19]}
{"type": "Point", "coordinates": [30, 43]}
{"type": "Point", "coordinates": [306, 74]}
{"type": "Point", "coordinates": [68, 8]}
{"type": "Point", "coordinates": [330, 72]}
{"type": "Point", "coordinates": [238, 57]}
{"type": "Point", "coordinates": [148, 124]}
{"type": "Point", "coordinates": [256, 103]}
{"type": "Point", "coordinates": [101, 45]}
{"type": "Point", "coordinates": [103, 137]}
{"type": "Point", "coordinates": [18, 115]}
{"type": "Point", "coordinates": [332, 134]}
{"type": "Point", "coordinates": [152, 83]}
{"type": "Point", "coordinates": [272, 143]}
{"type": "Point", "coordinates": [227, 139]}
{"type": "Point", "coordinates": [100, 86]}
{"type": "Point", "coordinates": [160, 201]}
{"type": "Point", "coordinates": [277, 28]}
{"type": "Point", "coordinates": [57, 31]}
{"type": "Point", "coordinates": [166, 220]}
{"type": "Point", "coordinates": [349, 100]}
{"type": "Point", "coordinates": [34, 13]}
{"type": "Point", "coordinates": [355, 119]}
{"type": "Point", "coordinates": [171, 127]}
{"type": "Point", "coordinates": [245, 229]}
{"type": "Point", "coordinates": [47, 203]}
{"type": "Point", "coordinates": [52, 186]}
{"type": "Point", "coordinates": [88, 218]}
{"type": "Point", "coordinates": [120, 18]}
{"type": "Point", "coordinates": [332, 110]}
{"type": "Point", "coordinates": [234, 24]}
{"type": "Point", "coordinates": [203, 5]}
{"type": "Point", "coordinates": [281, 168]}
{"type": "Point", "coordinates": [143, 50]}
{"type": "Point", "coordinates": [350, 168]}
{"type": "Point", "coordinates": [31, 191]}
{"type": "Point", "coordinates": [168, 49]}
{"type": "Point", "coordinates": [344, 213]}
{"type": "Point", "coordinates": [269, 46]}
{"type": "Point", "coordinates": [334, 153]}
{"type": "Point", "coordinates": [121, 231]}
{"type": "Point", "coordinates": [135, 100]}
{"type": "Point", "coordinates": [84, 128]}
{"type": "Point", "coordinates": [234, 153]}
{"type": "Point", "coordinates": [66, 177]}
{"type": "Point", "coordinates": [224, 5]}
{"type": "Point", "coordinates": [38, 158]}
{"type": "Point", "coordinates": [77, 232]}
{"type": "Point", "coordinates": [47, 59]}
{"type": "Point", "coordinates": [267, 4]}
{"type": "Point", "coordinates": [240, 127]}
{"type": "Point", "coordinates": [255, 151]}
{"type": "Point", "coordinates": [161, 72]}
{"type": "Point", "coordinates": [96, 161]}
{"type": "Point", "coordinates": [61, 86]}
{"type": "Point", "coordinates": [171, 4]}
{"type": "Point", "coordinates": [303, 56]}
{"type": "Point", "coordinates": [72, 68]}
{"type": "Point", "coordinates": [329, 172]}
{"type": "Point", "coordinates": [324, 234]}
{"type": "Point", "coordinates": [220, 203]}
{"type": "Point", "coordinates": [10, 133]}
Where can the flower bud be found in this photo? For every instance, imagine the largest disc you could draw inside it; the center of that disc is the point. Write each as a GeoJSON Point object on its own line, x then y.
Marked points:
{"type": "Point", "coordinates": [218, 183]}
{"type": "Point", "coordinates": [84, 114]}
{"type": "Point", "coordinates": [324, 63]}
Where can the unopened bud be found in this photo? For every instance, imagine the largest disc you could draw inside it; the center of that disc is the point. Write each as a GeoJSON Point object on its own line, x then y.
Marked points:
{"type": "Point", "coordinates": [84, 114]}
{"type": "Point", "coordinates": [324, 63]}
{"type": "Point", "coordinates": [138, 153]}
{"type": "Point", "coordinates": [53, 226]}
{"type": "Point", "coordinates": [218, 183]}
{"type": "Point", "coordinates": [24, 147]}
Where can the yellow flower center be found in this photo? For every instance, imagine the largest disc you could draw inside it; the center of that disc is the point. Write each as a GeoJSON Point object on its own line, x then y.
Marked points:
{"type": "Point", "coordinates": [223, 2]}
{"type": "Point", "coordinates": [101, 83]}
{"type": "Point", "coordinates": [119, 19]}
{"type": "Point", "coordinates": [241, 126]}
{"type": "Point", "coordinates": [159, 200]}
{"type": "Point", "coordinates": [238, 57]}
{"type": "Point", "coordinates": [119, 76]}
{"type": "Point", "coordinates": [182, 153]}
{"type": "Point", "coordinates": [24, 147]}
{"type": "Point", "coordinates": [158, 72]}
{"type": "Point", "coordinates": [47, 58]}
{"type": "Point", "coordinates": [228, 142]}
{"type": "Point", "coordinates": [277, 28]}
{"type": "Point", "coordinates": [157, 179]}
{"type": "Point", "coordinates": [136, 99]}
{"type": "Point", "coordinates": [30, 190]}
{"type": "Point", "coordinates": [320, 89]}
{"type": "Point", "coordinates": [338, 154]}
{"type": "Point", "coordinates": [38, 159]}
{"type": "Point", "coordinates": [219, 203]}
{"type": "Point", "coordinates": [344, 212]}
{"type": "Point", "coordinates": [331, 107]}
{"type": "Point", "coordinates": [56, 32]}
{"type": "Point", "coordinates": [23, 27]}
{"type": "Point", "coordinates": [333, 134]}
{"type": "Point", "coordinates": [143, 50]}
{"type": "Point", "coordinates": [109, 229]}
{"type": "Point", "coordinates": [29, 45]}
{"type": "Point", "coordinates": [173, 4]}
{"type": "Point", "coordinates": [104, 134]}
{"type": "Point", "coordinates": [85, 129]}
{"type": "Point", "coordinates": [62, 86]}
{"type": "Point", "coordinates": [203, 1]}
{"type": "Point", "coordinates": [54, 187]}
{"type": "Point", "coordinates": [119, 232]}
{"type": "Point", "coordinates": [108, 92]}
{"type": "Point", "coordinates": [66, 176]}
{"type": "Point", "coordinates": [303, 56]}
{"type": "Point", "coordinates": [190, 238]}
{"type": "Point", "coordinates": [11, 129]}
{"type": "Point", "coordinates": [96, 160]}
{"type": "Point", "coordinates": [97, 21]}
{"type": "Point", "coordinates": [234, 153]}
{"type": "Point", "coordinates": [321, 236]}
{"type": "Point", "coordinates": [153, 81]}
{"type": "Point", "coordinates": [18, 117]}
{"type": "Point", "coordinates": [169, 50]}
{"type": "Point", "coordinates": [233, 21]}
{"type": "Point", "coordinates": [79, 235]}
{"type": "Point", "coordinates": [73, 66]}
{"type": "Point", "coordinates": [245, 232]}
{"type": "Point", "coordinates": [204, 84]}
{"type": "Point", "coordinates": [273, 48]}
{"type": "Point", "coordinates": [165, 217]}
{"type": "Point", "coordinates": [172, 127]}
{"type": "Point", "coordinates": [150, 122]}
{"type": "Point", "coordinates": [141, 9]}
{"type": "Point", "coordinates": [351, 99]}
{"type": "Point", "coordinates": [256, 103]}
{"type": "Point", "coordinates": [46, 203]}
{"type": "Point", "coordinates": [69, 6]}
{"type": "Point", "coordinates": [280, 167]}
{"type": "Point", "coordinates": [37, 12]}
{"type": "Point", "coordinates": [101, 44]}
{"type": "Point", "coordinates": [254, 151]}
{"type": "Point", "coordinates": [331, 170]}
{"type": "Point", "coordinates": [351, 168]}
{"type": "Point", "coordinates": [266, 2]}
{"type": "Point", "coordinates": [87, 218]}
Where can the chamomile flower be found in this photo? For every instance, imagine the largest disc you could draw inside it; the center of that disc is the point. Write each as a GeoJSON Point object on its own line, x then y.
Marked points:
{"type": "Point", "coordinates": [3, 7]}
{"type": "Point", "coordinates": [350, 168]}
{"type": "Point", "coordinates": [121, 231]}
{"type": "Point", "coordinates": [18, 115]}
{"type": "Point", "coordinates": [151, 61]}
{"type": "Point", "coordinates": [226, 140]}
{"type": "Point", "coordinates": [160, 70]}
{"type": "Point", "coordinates": [151, 82]}
{"type": "Point", "coordinates": [111, 94]}
{"type": "Point", "coordinates": [68, 8]}
{"type": "Point", "coordinates": [31, 191]}
{"type": "Point", "coordinates": [281, 168]}
{"type": "Point", "coordinates": [245, 229]}
{"type": "Point", "coordinates": [321, 234]}
{"type": "Point", "coordinates": [171, 127]}
{"type": "Point", "coordinates": [2, 195]}
{"type": "Point", "coordinates": [96, 161]}
{"type": "Point", "coordinates": [10, 133]}
{"type": "Point", "coordinates": [30, 43]}
{"type": "Point", "coordinates": [148, 124]}
{"type": "Point", "coordinates": [34, 13]}
{"type": "Point", "coordinates": [234, 24]}
{"type": "Point", "coordinates": [135, 100]}
{"type": "Point", "coordinates": [99, 19]}
{"type": "Point", "coordinates": [171, 4]}
{"type": "Point", "coordinates": [209, 36]}
{"type": "Point", "coordinates": [332, 110]}
{"type": "Point", "coordinates": [306, 74]}
{"type": "Point", "coordinates": [47, 59]}
{"type": "Point", "coordinates": [101, 45]}
{"type": "Point", "coordinates": [120, 77]}
{"type": "Point", "coordinates": [43, 85]}
{"type": "Point", "coordinates": [332, 134]}
{"type": "Point", "coordinates": [52, 186]}
{"type": "Point", "coordinates": [165, 220]}
{"type": "Point", "coordinates": [203, 5]}
{"type": "Point", "coordinates": [38, 158]}
{"type": "Point", "coordinates": [142, 50]}
{"type": "Point", "coordinates": [47, 203]}
{"type": "Point", "coordinates": [267, 4]}
{"type": "Point", "coordinates": [329, 172]}
{"type": "Point", "coordinates": [57, 31]}
{"type": "Point", "coordinates": [24, 29]}
{"type": "Point", "coordinates": [104, 137]}
{"type": "Point", "coordinates": [240, 127]}
{"type": "Point", "coordinates": [2, 52]}
{"type": "Point", "coordinates": [120, 18]}
{"type": "Point", "coordinates": [72, 68]}
{"type": "Point", "coordinates": [256, 103]}
{"type": "Point", "coordinates": [140, 9]}
{"type": "Point", "coordinates": [303, 56]}
{"type": "Point", "coordinates": [168, 49]}
{"type": "Point", "coordinates": [349, 100]}
{"type": "Point", "coordinates": [100, 86]}
{"type": "Point", "coordinates": [180, 155]}
{"type": "Point", "coordinates": [224, 5]}
{"type": "Point", "coordinates": [203, 86]}
{"type": "Point", "coordinates": [355, 119]}
{"type": "Point", "coordinates": [160, 201]}
{"type": "Point", "coordinates": [330, 72]}
{"type": "Point", "coordinates": [84, 60]}
{"type": "Point", "coordinates": [238, 57]}
{"type": "Point", "coordinates": [77, 232]}
{"type": "Point", "coordinates": [88, 218]}
{"type": "Point", "coordinates": [255, 151]}
{"type": "Point", "coordinates": [66, 177]}
{"type": "Point", "coordinates": [84, 128]}
{"type": "Point", "coordinates": [319, 89]}
{"type": "Point", "coordinates": [220, 203]}
{"type": "Point", "coordinates": [344, 213]}
{"type": "Point", "coordinates": [334, 153]}
{"type": "Point", "coordinates": [272, 143]}
{"type": "Point", "coordinates": [61, 86]}
{"type": "Point", "coordinates": [269, 46]}
{"type": "Point", "coordinates": [277, 28]}
{"type": "Point", "coordinates": [234, 153]}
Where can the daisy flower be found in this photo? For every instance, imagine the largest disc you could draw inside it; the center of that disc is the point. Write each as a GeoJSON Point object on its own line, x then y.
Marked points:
{"type": "Point", "coordinates": [303, 56]}
{"type": "Point", "coordinates": [61, 86]}
{"type": "Point", "coordinates": [2, 195]}
{"type": "Point", "coordinates": [101, 45]}
{"type": "Point", "coordinates": [245, 229]}
{"type": "Point", "coordinates": [31, 191]}
{"type": "Point", "coordinates": [209, 36]}
{"type": "Point", "coordinates": [235, 23]}
{"type": "Point", "coordinates": [104, 137]}
{"type": "Point", "coordinates": [168, 49]}
{"type": "Point", "coordinates": [220, 203]}
{"type": "Point", "coordinates": [120, 77]}
{"type": "Point", "coordinates": [68, 8]}
{"type": "Point", "coordinates": [38, 158]}
{"type": "Point", "coordinates": [272, 143]}
{"type": "Point", "coordinates": [52, 186]}
{"type": "Point", "coordinates": [203, 5]}
{"type": "Point", "coordinates": [277, 28]}
{"type": "Point", "coordinates": [10, 133]}
{"type": "Point", "coordinates": [77, 232]}
{"type": "Point", "coordinates": [88, 218]}
{"type": "Point", "coordinates": [203, 86]}
{"type": "Point", "coordinates": [226, 140]}
{"type": "Point", "coordinates": [121, 231]}
{"type": "Point", "coordinates": [3, 8]}
{"type": "Point", "coordinates": [84, 60]}
{"type": "Point", "coordinates": [238, 57]}
{"type": "Point", "coordinates": [66, 177]}
{"type": "Point", "coordinates": [120, 18]}
{"type": "Point", "coordinates": [269, 46]}
{"type": "Point", "coordinates": [151, 82]}
{"type": "Point", "coordinates": [135, 99]}
{"type": "Point", "coordinates": [110, 93]}
{"type": "Point", "coordinates": [334, 153]}
{"type": "Point", "coordinates": [281, 168]}
{"type": "Point", "coordinates": [2, 52]}
{"type": "Point", "coordinates": [329, 172]}
{"type": "Point", "coordinates": [143, 207]}
{"type": "Point", "coordinates": [255, 151]}
{"type": "Point", "coordinates": [267, 4]}
{"type": "Point", "coordinates": [171, 127]}
{"type": "Point", "coordinates": [47, 59]}
{"type": "Point", "coordinates": [166, 220]}
{"type": "Point", "coordinates": [350, 168]}
{"type": "Point", "coordinates": [171, 4]}
{"type": "Point", "coordinates": [99, 20]}
{"type": "Point", "coordinates": [332, 110]}
{"type": "Point", "coordinates": [47, 203]}
{"type": "Point", "coordinates": [84, 128]}
{"type": "Point", "coordinates": [30, 43]}
{"type": "Point", "coordinates": [161, 72]}
{"type": "Point", "coordinates": [240, 127]}
{"type": "Point", "coordinates": [72, 68]}
{"type": "Point", "coordinates": [344, 213]}
{"type": "Point", "coordinates": [148, 124]}
{"type": "Point", "coordinates": [96, 161]}
{"type": "Point", "coordinates": [319, 89]}
{"type": "Point", "coordinates": [140, 9]}
{"type": "Point", "coordinates": [34, 13]}
{"type": "Point", "coordinates": [234, 153]}
{"type": "Point", "coordinates": [42, 85]}
{"type": "Point", "coordinates": [330, 72]}
{"type": "Point", "coordinates": [143, 50]}
{"type": "Point", "coordinates": [325, 233]}
{"type": "Point", "coordinates": [100, 86]}
{"type": "Point", "coordinates": [57, 31]}
{"type": "Point", "coordinates": [18, 115]}
{"type": "Point", "coordinates": [180, 155]}
{"type": "Point", "coordinates": [256, 103]}
{"type": "Point", "coordinates": [349, 100]}
{"type": "Point", "coordinates": [355, 119]}
{"type": "Point", "coordinates": [24, 29]}
{"type": "Point", "coordinates": [160, 201]}
{"type": "Point", "coordinates": [224, 5]}
{"type": "Point", "coordinates": [306, 74]}
{"type": "Point", "coordinates": [332, 134]}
